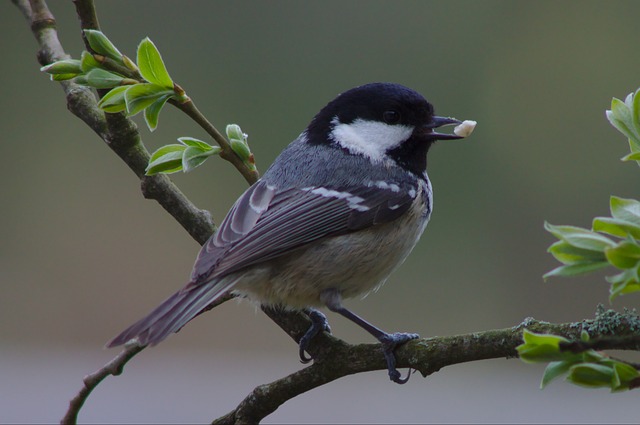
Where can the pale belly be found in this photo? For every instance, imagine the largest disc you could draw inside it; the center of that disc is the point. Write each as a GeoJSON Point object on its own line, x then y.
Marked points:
{"type": "Point", "coordinates": [353, 264]}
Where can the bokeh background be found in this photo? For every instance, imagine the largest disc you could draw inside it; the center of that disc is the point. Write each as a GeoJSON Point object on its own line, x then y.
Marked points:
{"type": "Point", "coordinates": [83, 254]}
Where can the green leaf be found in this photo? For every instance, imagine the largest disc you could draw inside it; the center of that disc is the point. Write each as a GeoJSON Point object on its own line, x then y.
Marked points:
{"type": "Point", "coordinates": [579, 237]}
{"type": "Point", "coordinates": [616, 383]}
{"type": "Point", "coordinates": [88, 62]}
{"type": "Point", "coordinates": [151, 65]}
{"type": "Point", "coordinates": [165, 150]}
{"type": "Point", "coordinates": [194, 156]}
{"type": "Point", "coordinates": [547, 339]}
{"type": "Point", "coordinates": [167, 160]}
{"type": "Point", "coordinates": [102, 45]}
{"type": "Point", "coordinates": [190, 141]}
{"type": "Point", "coordinates": [141, 96]}
{"type": "Point", "coordinates": [623, 283]}
{"type": "Point", "coordinates": [196, 153]}
{"type": "Point", "coordinates": [238, 143]}
{"type": "Point", "coordinates": [625, 374]}
{"type": "Point", "coordinates": [62, 77]}
{"type": "Point", "coordinates": [629, 100]}
{"type": "Point", "coordinates": [616, 227]}
{"type": "Point", "coordinates": [66, 66]}
{"type": "Point", "coordinates": [591, 375]}
{"type": "Point", "coordinates": [81, 80]}
{"type": "Point", "coordinates": [241, 148]}
{"type": "Point", "coordinates": [626, 371]}
{"type": "Point", "coordinates": [620, 117]}
{"type": "Point", "coordinates": [624, 255]}
{"type": "Point", "coordinates": [625, 209]}
{"type": "Point", "coordinates": [151, 113]}
{"type": "Point", "coordinates": [584, 336]}
{"type": "Point", "coordinates": [624, 116]}
{"type": "Point", "coordinates": [575, 269]}
{"type": "Point", "coordinates": [634, 147]}
{"type": "Point", "coordinates": [595, 371]}
{"type": "Point", "coordinates": [129, 63]}
{"type": "Point", "coordinates": [569, 254]}
{"type": "Point", "coordinates": [635, 112]}
{"type": "Point", "coordinates": [554, 370]}
{"type": "Point", "coordinates": [234, 132]}
{"type": "Point", "coordinates": [540, 354]}
{"type": "Point", "coordinates": [102, 79]}
{"type": "Point", "coordinates": [592, 356]}
{"type": "Point", "coordinates": [622, 288]}
{"type": "Point", "coordinates": [113, 101]}
{"type": "Point", "coordinates": [539, 348]}
{"type": "Point", "coordinates": [624, 276]}
{"type": "Point", "coordinates": [633, 156]}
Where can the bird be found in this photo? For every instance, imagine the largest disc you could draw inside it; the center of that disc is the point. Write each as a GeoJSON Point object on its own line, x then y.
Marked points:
{"type": "Point", "coordinates": [339, 209]}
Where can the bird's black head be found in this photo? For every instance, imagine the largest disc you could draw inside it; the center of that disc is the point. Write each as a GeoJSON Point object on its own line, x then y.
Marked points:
{"type": "Point", "coordinates": [381, 121]}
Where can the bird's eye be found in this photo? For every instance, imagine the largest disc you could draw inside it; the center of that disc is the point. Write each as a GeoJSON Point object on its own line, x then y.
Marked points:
{"type": "Point", "coordinates": [391, 116]}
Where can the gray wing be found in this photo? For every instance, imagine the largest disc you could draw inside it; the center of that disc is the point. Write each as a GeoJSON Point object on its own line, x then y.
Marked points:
{"type": "Point", "coordinates": [266, 222]}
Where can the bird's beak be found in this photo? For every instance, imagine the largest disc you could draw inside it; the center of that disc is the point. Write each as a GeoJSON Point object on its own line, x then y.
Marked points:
{"type": "Point", "coordinates": [439, 122]}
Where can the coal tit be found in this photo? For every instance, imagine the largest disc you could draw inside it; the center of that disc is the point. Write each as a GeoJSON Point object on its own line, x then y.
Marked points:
{"type": "Point", "coordinates": [340, 208]}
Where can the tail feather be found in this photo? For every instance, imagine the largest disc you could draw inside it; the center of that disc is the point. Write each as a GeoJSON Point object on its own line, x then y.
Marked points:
{"type": "Point", "coordinates": [188, 309]}
{"type": "Point", "coordinates": [172, 314]}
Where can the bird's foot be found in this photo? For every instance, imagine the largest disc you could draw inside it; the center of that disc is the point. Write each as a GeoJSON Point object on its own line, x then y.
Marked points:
{"type": "Point", "coordinates": [389, 343]}
{"type": "Point", "coordinates": [319, 323]}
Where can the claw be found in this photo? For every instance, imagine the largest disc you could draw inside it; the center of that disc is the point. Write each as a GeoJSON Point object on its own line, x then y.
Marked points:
{"type": "Point", "coordinates": [319, 323]}
{"type": "Point", "coordinates": [389, 343]}
{"type": "Point", "coordinates": [304, 359]}
{"type": "Point", "coordinates": [395, 376]}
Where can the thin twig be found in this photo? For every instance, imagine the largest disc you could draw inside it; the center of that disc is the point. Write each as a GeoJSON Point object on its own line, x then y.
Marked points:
{"type": "Point", "coordinates": [88, 20]}
{"type": "Point", "coordinates": [91, 381]}
{"type": "Point", "coordinates": [189, 108]}
{"type": "Point", "coordinates": [114, 368]}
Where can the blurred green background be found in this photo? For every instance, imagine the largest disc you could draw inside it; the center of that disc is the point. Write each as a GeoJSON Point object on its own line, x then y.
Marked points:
{"type": "Point", "coordinates": [83, 254]}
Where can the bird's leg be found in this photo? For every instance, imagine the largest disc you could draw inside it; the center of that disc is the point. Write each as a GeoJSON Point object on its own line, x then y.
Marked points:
{"type": "Point", "coordinates": [319, 323]}
{"type": "Point", "coordinates": [390, 342]}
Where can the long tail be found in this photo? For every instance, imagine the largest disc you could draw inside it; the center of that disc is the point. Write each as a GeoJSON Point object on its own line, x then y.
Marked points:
{"type": "Point", "coordinates": [173, 313]}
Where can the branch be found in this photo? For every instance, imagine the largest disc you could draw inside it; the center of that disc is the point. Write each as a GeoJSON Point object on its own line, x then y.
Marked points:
{"type": "Point", "coordinates": [114, 367]}
{"type": "Point", "coordinates": [609, 343]}
{"type": "Point", "coordinates": [117, 131]}
{"type": "Point", "coordinates": [336, 359]}
{"type": "Point", "coordinates": [88, 20]}
{"type": "Point", "coordinates": [121, 135]}
{"type": "Point", "coordinates": [227, 153]}
{"type": "Point", "coordinates": [609, 339]}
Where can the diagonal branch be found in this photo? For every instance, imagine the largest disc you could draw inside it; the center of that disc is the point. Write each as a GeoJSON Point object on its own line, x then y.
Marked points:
{"type": "Point", "coordinates": [338, 359]}
{"type": "Point", "coordinates": [118, 132]}
{"type": "Point", "coordinates": [115, 367]}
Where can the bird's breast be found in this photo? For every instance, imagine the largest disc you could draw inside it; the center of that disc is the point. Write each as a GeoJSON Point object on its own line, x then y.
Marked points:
{"type": "Point", "coordinates": [354, 263]}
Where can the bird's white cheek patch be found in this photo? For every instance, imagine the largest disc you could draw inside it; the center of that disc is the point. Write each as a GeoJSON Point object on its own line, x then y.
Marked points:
{"type": "Point", "coordinates": [369, 138]}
